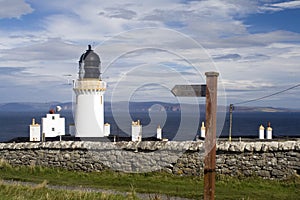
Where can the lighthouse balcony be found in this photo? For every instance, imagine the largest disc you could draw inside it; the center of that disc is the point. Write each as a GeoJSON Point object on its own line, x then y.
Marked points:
{"type": "Point", "coordinates": [95, 85]}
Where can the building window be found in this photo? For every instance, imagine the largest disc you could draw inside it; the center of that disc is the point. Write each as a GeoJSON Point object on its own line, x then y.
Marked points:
{"type": "Point", "coordinates": [53, 129]}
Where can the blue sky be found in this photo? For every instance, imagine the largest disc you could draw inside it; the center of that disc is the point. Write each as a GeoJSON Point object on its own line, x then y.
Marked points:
{"type": "Point", "coordinates": [255, 45]}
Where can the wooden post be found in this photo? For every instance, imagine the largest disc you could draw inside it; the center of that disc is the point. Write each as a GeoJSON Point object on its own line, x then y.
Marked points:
{"type": "Point", "coordinates": [210, 135]}
{"type": "Point", "coordinates": [230, 121]}
{"type": "Point", "coordinates": [210, 91]}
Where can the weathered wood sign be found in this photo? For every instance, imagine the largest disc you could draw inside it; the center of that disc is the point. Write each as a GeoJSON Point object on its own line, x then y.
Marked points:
{"type": "Point", "coordinates": [189, 90]}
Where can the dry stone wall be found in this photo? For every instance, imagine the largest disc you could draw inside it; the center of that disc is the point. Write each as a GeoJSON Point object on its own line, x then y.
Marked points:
{"type": "Point", "coordinates": [267, 159]}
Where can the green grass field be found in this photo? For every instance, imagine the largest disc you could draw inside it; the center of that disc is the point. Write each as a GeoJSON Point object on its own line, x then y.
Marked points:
{"type": "Point", "coordinates": [20, 192]}
{"type": "Point", "coordinates": [155, 182]}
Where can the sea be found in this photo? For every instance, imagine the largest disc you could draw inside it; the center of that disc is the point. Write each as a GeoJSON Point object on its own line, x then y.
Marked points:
{"type": "Point", "coordinates": [244, 124]}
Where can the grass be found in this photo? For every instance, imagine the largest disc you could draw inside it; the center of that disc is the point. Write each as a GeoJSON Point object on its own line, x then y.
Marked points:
{"type": "Point", "coordinates": [20, 192]}
{"type": "Point", "coordinates": [157, 183]}
{"type": "Point", "coordinates": [257, 188]}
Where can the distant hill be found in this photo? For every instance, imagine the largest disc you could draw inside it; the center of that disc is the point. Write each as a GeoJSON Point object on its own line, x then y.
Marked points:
{"type": "Point", "coordinates": [27, 106]}
{"type": "Point", "coordinates": [133, 106]}
{"type": "Point", "coordinates": [16, 107]}
{"type": "Point", "coordinates": [263, 109]}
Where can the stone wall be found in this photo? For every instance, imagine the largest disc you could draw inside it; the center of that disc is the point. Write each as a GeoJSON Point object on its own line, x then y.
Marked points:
{"type": "Point", "coordinates": [268, 159]}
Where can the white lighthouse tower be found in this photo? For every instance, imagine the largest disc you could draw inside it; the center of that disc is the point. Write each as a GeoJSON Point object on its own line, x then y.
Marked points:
{"type": "Point", "coordinates": [89, 90]}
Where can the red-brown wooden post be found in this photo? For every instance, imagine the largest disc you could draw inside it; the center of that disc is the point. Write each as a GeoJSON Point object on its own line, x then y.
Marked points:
{"type": "Point", "coordinates": [210, 135]}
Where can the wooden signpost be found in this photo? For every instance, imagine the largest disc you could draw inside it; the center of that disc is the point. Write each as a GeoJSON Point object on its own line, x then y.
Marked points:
{"type": "Point", "coordinates": [210, 92]}
{"type": "Point", "coordinates": [189, 90]}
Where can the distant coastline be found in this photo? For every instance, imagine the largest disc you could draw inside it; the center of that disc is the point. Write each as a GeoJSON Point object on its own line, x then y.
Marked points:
{"type": "Point", "coordinates": [134, 106]}
{"type": "Point", "coordinates": [245, 122]}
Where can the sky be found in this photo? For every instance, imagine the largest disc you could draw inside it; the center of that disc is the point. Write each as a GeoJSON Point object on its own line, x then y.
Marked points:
{"type": "Point", "coordinates": [146, 47]}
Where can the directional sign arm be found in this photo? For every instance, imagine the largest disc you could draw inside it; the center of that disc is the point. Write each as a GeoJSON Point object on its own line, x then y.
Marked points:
{"type": "Point", "coordinates": [189, 90]}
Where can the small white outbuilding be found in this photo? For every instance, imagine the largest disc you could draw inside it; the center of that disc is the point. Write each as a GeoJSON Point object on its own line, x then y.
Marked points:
{"type": "Point", "coordinates": [34, 131]}
{"type": "Point", "coordinates": [53, 125]}
{"type": "Point", "coordinates": [72, 129]}
{"type": "Point", "coordinates": [261, 132]}
{"type": "Point", "coordinates": [136, 131]}
{"type": "Point", "coordinates": [106, 129]}
{"type": "Point", "coordinates": [159, 133]}
{"type": "Point", "coordinates": [203, 130]}
{"type": "Point", "coordinates": [269, 131]}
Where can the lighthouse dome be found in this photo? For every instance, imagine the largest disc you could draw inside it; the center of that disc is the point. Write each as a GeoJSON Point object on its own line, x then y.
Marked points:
{"type": "Point", "coordinates": [89, 64]}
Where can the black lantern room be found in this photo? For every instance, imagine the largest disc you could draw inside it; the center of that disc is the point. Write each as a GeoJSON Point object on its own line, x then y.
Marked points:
{"type": "Point", "coordinates": [89, 65]}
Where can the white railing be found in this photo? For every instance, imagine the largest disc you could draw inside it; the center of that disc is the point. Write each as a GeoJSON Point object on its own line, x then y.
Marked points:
{"type": "Point", "coordinates": [90, 84]}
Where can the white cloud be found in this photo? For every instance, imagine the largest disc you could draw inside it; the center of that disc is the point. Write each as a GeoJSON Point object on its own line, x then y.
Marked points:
{"type": "Point", "coordinates": [14, 8]}
{"type": "Point", "coordinates": [289, 4]}
{"type": "Point", "coordinates": [281, 6]}
{"type": "Point", "coordinates": [119, 13]}
{"type": "Point", "coordinates": [52, 49]}
{"type": "Point", "coordinates": [66, 27]}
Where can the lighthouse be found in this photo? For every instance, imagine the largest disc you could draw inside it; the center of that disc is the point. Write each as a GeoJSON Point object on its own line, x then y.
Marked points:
{"type": "Point", "coordinates": [89, 90]}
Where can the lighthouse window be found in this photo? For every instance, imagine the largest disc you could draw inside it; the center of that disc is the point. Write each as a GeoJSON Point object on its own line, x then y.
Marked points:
{"type": "Point", "coordinates": [53, 129]}
{"type": "Point", "coordinates": [53, 117]}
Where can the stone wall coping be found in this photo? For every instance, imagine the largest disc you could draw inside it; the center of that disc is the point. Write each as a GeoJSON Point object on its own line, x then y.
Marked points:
{"type": "Point", "coordinates": [144, 145]}
{"type": "Point", "coordinates": [222, 146]}
{"type": "Point", "coordinates": [258, 146]}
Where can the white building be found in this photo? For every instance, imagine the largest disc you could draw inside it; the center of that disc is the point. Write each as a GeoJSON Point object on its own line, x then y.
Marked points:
{"type": "Point", "coordinates": [106, 129]}
{"type": "Point", "coordinates": [34, 131]}
{"type": "Point", "coordinates": [53, 125]}
{"type": "Point", "coordinates": [72, 129]}
{"type": "Point", "coordinates": [136, 131]}
{"type": "Point", "coordinates": [159, 132]}
{"type": "Point", "coordinates": [203, 129]}
{"type": "Point", "coordinates": [89, 103]}
{"type": "Point", "coordinates": [269, 131]}
{"type": "Point", "coordinates": [261, 132]}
